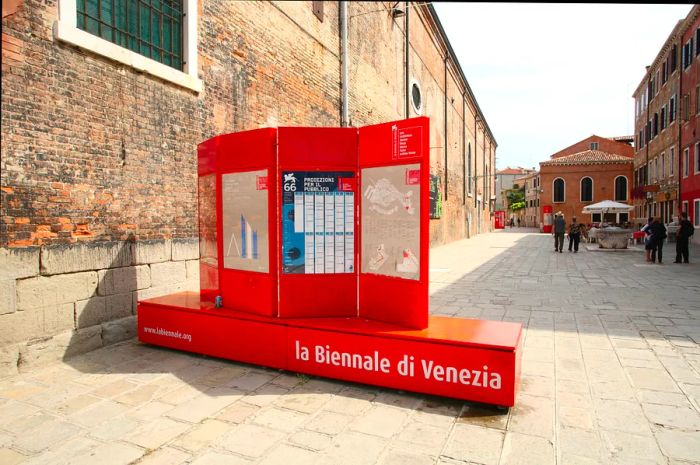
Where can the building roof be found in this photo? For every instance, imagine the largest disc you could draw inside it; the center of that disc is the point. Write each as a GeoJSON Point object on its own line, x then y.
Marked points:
{"type": "Point", "coordinates": [588, 157]}
{"type": "Point", "coordinates": [509, 170]}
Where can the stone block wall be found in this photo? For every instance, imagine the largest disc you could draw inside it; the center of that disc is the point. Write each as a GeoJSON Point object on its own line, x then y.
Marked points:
{"type": "Point", "coordinates": [61, 300]}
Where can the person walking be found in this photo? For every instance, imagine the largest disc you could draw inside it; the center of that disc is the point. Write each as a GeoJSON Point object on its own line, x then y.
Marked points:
{"type": "Point", "coordinates": [658, 234]}
{"type": "Point", "coordinates": [574, 234]}
{"type": "Point", "coordinates": [559, 228]}
{"type": "Point", "coordinates": [647, 238]}
{"type": "Point", "coordinates": [685, 230]}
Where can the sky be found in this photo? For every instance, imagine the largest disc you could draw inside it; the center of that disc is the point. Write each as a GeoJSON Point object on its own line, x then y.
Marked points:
{"type": "Point", "coordinates": [549, 75]}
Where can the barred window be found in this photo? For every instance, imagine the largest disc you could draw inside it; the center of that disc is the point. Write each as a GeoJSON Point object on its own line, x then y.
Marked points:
{"type": "Point", "coordinates": [152, 28]}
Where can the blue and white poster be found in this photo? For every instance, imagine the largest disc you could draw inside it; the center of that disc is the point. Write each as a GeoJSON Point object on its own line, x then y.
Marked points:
{"type": "Point", "coordinates": [318, 222]}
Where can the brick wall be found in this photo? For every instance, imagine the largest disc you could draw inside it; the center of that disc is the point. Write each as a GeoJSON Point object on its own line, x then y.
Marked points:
{"type": "Point", "coordinates": [98, 182]}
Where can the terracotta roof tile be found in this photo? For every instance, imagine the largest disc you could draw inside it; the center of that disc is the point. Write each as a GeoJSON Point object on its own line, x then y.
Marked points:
{"type": "Point", "coordinates": [588, 157]}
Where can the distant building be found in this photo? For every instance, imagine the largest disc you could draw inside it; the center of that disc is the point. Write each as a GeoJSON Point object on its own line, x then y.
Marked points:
{"type": "Point", "coordinates": [657, 132]}
{"type": "Point", "coordinates": [529, 215]}
{"type": "Point", "coordinates": [690, 123]}
{"type": "Point", "coordinates": [505, 179]}
{"type": "Point", "coordinates": [587, 172]}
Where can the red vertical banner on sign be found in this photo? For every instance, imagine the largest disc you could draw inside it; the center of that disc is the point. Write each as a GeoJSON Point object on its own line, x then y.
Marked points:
{"type": "Point", "coordinates": [394, 162]}
{"type": "Point", "coordinates": [243, 268]}
{"type": "Point", "coordinates": [317, 173]}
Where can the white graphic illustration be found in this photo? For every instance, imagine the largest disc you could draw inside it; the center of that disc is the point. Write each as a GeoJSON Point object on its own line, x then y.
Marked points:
{"type": "Point", "coordinates": [378, 260]}
{"type": "Point", "coordinates": [409, 263]}
{"type": "Point", "coordinates": [386, 198]}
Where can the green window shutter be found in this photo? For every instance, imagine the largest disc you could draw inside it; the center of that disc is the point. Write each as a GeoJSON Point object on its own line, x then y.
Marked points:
{"type": "Point", "coordinates": [152, 28]}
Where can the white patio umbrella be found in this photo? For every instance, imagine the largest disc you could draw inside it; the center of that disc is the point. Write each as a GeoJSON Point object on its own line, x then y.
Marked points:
{"type": "Point", "coordinates": [607, 206]}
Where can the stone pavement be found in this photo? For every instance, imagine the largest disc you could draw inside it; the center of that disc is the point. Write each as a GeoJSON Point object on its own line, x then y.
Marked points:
{"type": "Point", "coordinates": [611, 375]}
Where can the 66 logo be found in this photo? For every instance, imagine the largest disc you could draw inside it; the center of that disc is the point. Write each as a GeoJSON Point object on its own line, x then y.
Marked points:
{"type": "Point", "coordinates": [289, 183]}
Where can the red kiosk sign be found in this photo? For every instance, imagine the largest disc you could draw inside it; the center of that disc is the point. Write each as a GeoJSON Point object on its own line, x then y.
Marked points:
{"type": "Point", "coordinates": [314, 258]}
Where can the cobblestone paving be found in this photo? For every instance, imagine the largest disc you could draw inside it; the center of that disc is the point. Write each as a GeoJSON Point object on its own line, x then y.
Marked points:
{"type": "Point", "coordinates": [611, 375]}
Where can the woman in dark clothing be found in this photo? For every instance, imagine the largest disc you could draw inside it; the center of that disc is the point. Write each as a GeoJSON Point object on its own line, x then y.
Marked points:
{"type": "Point", "coordinates": [658, 234]}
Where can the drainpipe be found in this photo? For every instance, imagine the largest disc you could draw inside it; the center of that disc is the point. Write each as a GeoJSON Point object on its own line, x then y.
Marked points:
{"type": "Point", "coordinates": [464, 149]}
{"type": "Point", "coordinates": [344, 64]}
{"type": "Point", "coordinates": [680, 131]}
{"type": "Point", "coordinates": [445, 124]}
{"type": "Point", "coordinates": [476, 146]}
{"type": "Point", "coordinates": [406, 51]}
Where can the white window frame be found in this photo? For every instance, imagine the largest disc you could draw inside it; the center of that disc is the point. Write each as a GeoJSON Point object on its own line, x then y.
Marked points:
{"type": "Point", "coordinates": [696, 212]}
{"type": "Point", "coordinates": [686, 162]}
{"type": "Point", "coordinates": [662, 175]}
{"type": "Point", "coordinates": [66, 30]}
{"type": "Point", "coordinates": [696, 161]}
{"type": "Point", "coordinates": [564, 190]}
{"type": "Point", "coordinates": [672, 161]}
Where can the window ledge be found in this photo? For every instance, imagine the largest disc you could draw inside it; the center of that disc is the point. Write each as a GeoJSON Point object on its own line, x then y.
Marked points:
{"type": "Point", "coordinates": [70, 34]}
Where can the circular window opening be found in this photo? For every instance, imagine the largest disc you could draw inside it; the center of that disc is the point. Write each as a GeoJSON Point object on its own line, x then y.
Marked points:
{"type": "Point", "coordinates": [416, 97]}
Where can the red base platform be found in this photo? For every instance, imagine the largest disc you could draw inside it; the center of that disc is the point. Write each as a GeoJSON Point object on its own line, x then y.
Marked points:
{"type": "Point", "coordinates": [474, 360]}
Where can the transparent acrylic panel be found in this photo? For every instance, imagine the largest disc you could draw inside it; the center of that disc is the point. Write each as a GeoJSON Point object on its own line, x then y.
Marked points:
{"type": "Point", "coordinates": [207, 220]}
{"type": "Point", "coordinates": [391, 221]}
{"type": "Point", "coordinates": [245, 221]}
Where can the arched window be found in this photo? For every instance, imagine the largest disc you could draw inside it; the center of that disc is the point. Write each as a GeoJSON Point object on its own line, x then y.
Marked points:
{"type": "Point", "coordinates": [586, 189]}
{"type": "Point", "coordinates": [621, 188]}
{"type": "Point", "coordinates": [558, 190]}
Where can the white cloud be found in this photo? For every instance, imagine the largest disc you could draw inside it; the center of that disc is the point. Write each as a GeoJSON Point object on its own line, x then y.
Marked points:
{"type": "Point", "coordinates": [548, 75]}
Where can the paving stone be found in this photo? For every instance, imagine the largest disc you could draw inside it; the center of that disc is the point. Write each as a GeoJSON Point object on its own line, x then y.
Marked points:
{"type": "Point", "coordinates": [351, 448]}
{"type": "Point", "coordinates": [522, 449]}
{"type": "Point", "coordinates": [165, 456]}
{"type": "Point", "coordinates": [46, 435]}
{"type": "Point", "coordinates": [400, 456]}
{"type": "Point", "coordinates": [673, 416]}
{"type": "Point", "coordinates": [157, 432]}
{"type": "Point", "coordinates": [649, 378]}
{"type": "Point", "coordinates": [329, 423]}
{"type": "Point", "coordinates": [285, 454]}
{"type": "Point", "coordinates": [422, 438]}
{"type": "Point", "coordinates": [473, 443]}
{"type": "Point", "coordinates": [576, 442]}
{"type": "Point", "coordinates": [205, 405]}
{"type": "Point", "coordinates": [11, 457]}
{"type": "Point", "coordinates": [380, 421]}
{"type": "Point", "coordinates": [218, 458]}
{"type": "Point", "coordinates": [237, 413]}
{"type": "Point", "coordinates": [681, 445]}
{"type": "Point", "coordinates": [534, 416]}
{"type": "Point", "coordinates": [202, 435]}
{"type": "Point", "coordinates": [109, 454]}
{"type": "Point", "coordinates": [250, 440]}
{"type": "Point", "coordinates": [279, 419]}
{"type": "Point", "coordinates": [311, 440]}
{"type": "Point", "coordinates": [631, 446]}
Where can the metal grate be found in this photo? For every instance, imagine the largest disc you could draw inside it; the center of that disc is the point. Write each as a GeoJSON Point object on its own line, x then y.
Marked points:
{"type": "Point", "coordinates": [152, 28]}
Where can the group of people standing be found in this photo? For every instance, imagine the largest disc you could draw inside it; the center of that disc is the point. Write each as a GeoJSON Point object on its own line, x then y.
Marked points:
{"type": "Point", "coordinates": [575, 230]}
{"type": "Point", "coordinates": [655, 234]}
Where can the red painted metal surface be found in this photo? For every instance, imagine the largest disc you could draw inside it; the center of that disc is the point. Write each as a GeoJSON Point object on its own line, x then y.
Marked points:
{"type": "Point", "coordinates": [322, 150]}
{"type": "Point", "coordinates": [386, 298]}
{"type": "Point", "coordinates": [316, 323]}
{"type": "Point", "coordinates": [466, 359]}
{"type": "Point", "coordinates": [232, 153]}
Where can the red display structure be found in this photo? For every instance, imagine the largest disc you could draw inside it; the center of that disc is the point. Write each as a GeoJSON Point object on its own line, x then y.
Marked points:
{"type": "Point", "coordinates": [499, 218]}
{"type": "Point", "coordinates": [314, 246]}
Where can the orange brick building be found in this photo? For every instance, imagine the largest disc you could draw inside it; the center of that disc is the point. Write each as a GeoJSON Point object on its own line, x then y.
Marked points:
{"type": "Point", "coordinates": [587, 172]}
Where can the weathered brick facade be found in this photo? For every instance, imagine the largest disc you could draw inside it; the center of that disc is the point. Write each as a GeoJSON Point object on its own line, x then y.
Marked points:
{"type": "Point", "coordinates": [99, 171]}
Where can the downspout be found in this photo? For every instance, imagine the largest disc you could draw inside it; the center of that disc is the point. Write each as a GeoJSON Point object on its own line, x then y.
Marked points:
{"type": "Point", "coordinates": [464, 149]}
{"type": "Point", "coordinates": [343, 63]}
{"type": "Point", "coordinates": [476, 148]}
{"type": "Point", "coordinates": [680, 131]}
{"type": "Point", "coordinates": [406, 51]}
{"type": "Point", "coordinates": [445, 124]}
